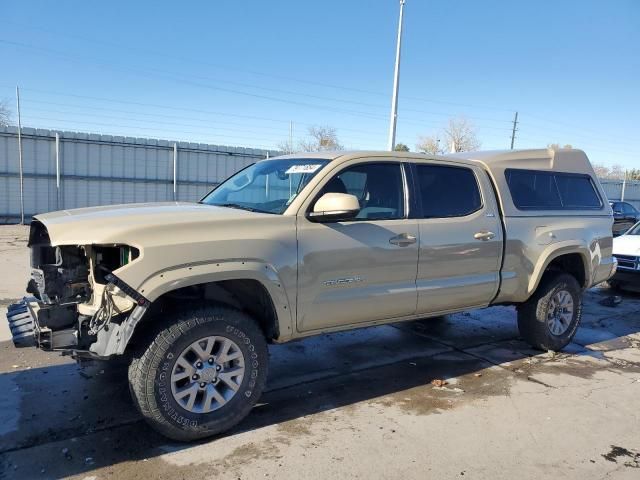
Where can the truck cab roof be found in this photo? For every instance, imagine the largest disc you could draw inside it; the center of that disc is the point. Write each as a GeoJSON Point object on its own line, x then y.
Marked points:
{"type": "Point", "coordinates": [496, 163]}
{"type": "Point", "coordinates": [564, 159]}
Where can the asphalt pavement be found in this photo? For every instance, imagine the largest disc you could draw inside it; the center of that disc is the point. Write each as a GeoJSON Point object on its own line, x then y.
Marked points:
{"type": "Point", "coordinates": [459, 396]}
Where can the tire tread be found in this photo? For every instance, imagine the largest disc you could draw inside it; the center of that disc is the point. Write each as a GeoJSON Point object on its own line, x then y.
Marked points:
{"type": "Point", "coordinates": [532, 313]}
{"type": "Point", "coordinates": [142, 373]}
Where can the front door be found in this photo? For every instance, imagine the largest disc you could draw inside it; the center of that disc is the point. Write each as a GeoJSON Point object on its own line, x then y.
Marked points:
{"type": "Point", "coordinates": [361, 270]}
{"type": "Point", "coordinates": [460, 238]}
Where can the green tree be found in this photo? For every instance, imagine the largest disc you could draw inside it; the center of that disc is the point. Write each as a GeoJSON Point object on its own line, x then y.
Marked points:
{"type": "Point", "coordinates": [401, 147]}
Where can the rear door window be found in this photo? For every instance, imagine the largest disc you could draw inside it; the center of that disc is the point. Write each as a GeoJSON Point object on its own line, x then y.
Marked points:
{"type": "Point", "coordinates": [447, 191]}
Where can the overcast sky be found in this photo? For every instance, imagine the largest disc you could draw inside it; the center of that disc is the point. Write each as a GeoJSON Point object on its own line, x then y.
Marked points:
{"type": "Point", "coordinates": [237, 72]}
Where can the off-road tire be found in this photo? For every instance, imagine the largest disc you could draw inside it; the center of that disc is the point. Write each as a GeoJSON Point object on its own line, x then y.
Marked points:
{"type": "Point", "coordinates": [532, 314]}
{"type": "Point", "coordinates": [151, 366]}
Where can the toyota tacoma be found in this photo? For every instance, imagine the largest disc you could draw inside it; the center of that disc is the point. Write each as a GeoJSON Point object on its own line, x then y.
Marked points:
{"type": "Point", "coordinates": [298, 245]}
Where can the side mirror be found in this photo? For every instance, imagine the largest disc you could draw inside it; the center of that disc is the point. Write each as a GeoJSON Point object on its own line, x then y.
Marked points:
{"type": "Point", "coordinates": [335, 207]}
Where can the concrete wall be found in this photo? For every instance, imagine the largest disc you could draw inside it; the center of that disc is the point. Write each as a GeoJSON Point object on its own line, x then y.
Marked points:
{"type": "Point", "coordinates": [103, 169]}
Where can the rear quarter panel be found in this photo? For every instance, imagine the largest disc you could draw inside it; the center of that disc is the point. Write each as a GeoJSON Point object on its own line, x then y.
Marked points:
{"type": "Point", "coordinates": [535, 241]}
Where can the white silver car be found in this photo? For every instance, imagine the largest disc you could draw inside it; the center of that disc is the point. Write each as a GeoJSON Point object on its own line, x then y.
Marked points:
{"type": "Point", "coordinates": [626, 248]}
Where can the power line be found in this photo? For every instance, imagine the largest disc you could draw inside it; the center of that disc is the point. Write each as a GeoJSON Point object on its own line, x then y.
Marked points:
{"type": "Point", "coordinates": [405, 121]}
{"type": "Point", "coordinates": [584, 133]}
{"type": "Point", "coordinates": [154, 122]}
{"type": "Point", "coordinates": [129, 47]}
{"type": "Point", "coordinates": [152, 115]}
{"type": "Point", "coordinates": [135, 127]}
{"type": "Point", "coordinates": [142, 72]}
{"type": "Point", "coordinates": [204, 124]}
{"type": "Point", "coordinates": [590, 147]}
{"type": "Point", "coordinates": [205, 112]}
{"type": "Point", "coordinates": [199, 111]}
{"type": "Point", "coordinates": [177, 77]}
{"type": "Point", "coordinates": [138, 127]}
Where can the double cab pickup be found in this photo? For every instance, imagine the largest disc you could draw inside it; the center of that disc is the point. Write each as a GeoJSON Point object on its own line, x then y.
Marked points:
{"type": "Point", "coordinates": [298, 245]}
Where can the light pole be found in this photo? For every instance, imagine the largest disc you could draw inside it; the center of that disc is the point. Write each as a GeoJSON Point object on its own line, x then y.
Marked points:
{"type": "Point", "coordinates": [396, 81]}
{"type": "Point", "coordinates": [20, 165]}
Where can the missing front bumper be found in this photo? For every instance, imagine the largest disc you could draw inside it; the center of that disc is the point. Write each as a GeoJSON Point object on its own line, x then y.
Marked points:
{"type": "Point", "coordinates": [33, 324]}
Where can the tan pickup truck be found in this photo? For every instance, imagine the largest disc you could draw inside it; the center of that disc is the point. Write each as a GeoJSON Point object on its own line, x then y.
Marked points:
{"type": "Point", "coordinates": [305, 244]}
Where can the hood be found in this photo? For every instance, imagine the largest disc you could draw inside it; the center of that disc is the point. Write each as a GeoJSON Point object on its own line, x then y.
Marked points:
{"type": "Point", "coordinates": [627, 245]}
{"type": "Point", "coordinates": [125, 223]}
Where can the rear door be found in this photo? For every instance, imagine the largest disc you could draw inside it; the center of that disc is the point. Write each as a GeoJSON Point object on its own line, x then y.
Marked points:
{"type": "Point", "coordinates": [460, 237]}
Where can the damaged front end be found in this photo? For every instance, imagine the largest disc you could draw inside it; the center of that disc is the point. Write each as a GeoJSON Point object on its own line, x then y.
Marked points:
{"type": "Point", "coordinates": [78, 305]}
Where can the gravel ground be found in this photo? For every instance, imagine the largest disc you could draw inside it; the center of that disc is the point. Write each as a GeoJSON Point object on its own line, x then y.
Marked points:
{"type": "Point", "coordinates": [357, 404]}
{"type": "Point", "coordinates": [14, 269]}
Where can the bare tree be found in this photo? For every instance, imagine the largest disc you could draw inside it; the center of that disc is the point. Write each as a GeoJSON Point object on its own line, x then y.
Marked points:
{"type": "Point", "coordinates": [615, 172]}
{"type": "Point", "coordinates": [458, 136]}
{"type": "Point", "coordinates": [461, 135]}
{"type": "Point", "coordinates": [321, 138]}
{"type": "Point", "coordinates": [5, 114]}
{"type": "Point", "coordinates": [601, 171]}
{"type": "Point", "coordinates": [285, 146]}
{"type": "Point", "coordinates": [429, 144]}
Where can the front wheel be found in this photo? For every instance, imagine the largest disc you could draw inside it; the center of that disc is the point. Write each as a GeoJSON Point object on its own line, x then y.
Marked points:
{"type": "Point", "coordinates": [200, 375]}
{"type": "Point", "coordinates": [550, 318]}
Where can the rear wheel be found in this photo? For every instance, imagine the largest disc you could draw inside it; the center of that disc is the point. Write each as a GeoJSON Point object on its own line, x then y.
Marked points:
{"type": "Point", "coordinates": [200, 375]}
{"type": "Point", "coordinates": [550, 318]}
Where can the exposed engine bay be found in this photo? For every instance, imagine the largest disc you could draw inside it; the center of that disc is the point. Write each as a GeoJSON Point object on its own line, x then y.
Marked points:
{"type": "Point", "coordinates": [76, 296]}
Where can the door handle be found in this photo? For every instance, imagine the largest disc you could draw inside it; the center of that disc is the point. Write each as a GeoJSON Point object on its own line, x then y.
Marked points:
{"type": "Point", "coordinates": [402, 240]}
{"type": "Point", "coordinates": [484, 236]}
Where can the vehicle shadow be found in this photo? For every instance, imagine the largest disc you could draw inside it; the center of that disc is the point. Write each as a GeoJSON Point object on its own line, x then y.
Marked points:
{"type": "Point", "coordinates": [80, 420]}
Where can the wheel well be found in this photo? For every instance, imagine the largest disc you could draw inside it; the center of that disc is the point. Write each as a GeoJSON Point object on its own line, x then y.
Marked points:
{"type": "Point", "coordinates": [570, 263]}
{"type": "Point", "coordinates": [247, 295]}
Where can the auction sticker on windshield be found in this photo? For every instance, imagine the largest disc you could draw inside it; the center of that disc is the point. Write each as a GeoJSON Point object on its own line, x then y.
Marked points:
{"type": "Point", "coordinates": [309, 168]}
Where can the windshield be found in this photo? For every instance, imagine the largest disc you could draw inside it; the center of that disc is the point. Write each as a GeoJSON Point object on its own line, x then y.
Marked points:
{"type": "Point", "coordinates": [268, 186]}
{"type": "Point", "coordinates": [635, 230]}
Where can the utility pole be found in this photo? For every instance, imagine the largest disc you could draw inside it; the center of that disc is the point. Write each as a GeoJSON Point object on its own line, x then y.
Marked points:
{"type": "Point", "coordinates": [58, 202]}
{"type": "Point", "coordinates": [20, 157]}
{"type": "Point", "coordinates": [290, 137]}
{"type": "Point", "coordinates": [396, 81]}
{"type": "Point", "coordinates": [624, 186]}
{"type": "Point", "coordinates": [515, 129]}
{"type": "Point", "coordinates": [175, 171]}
